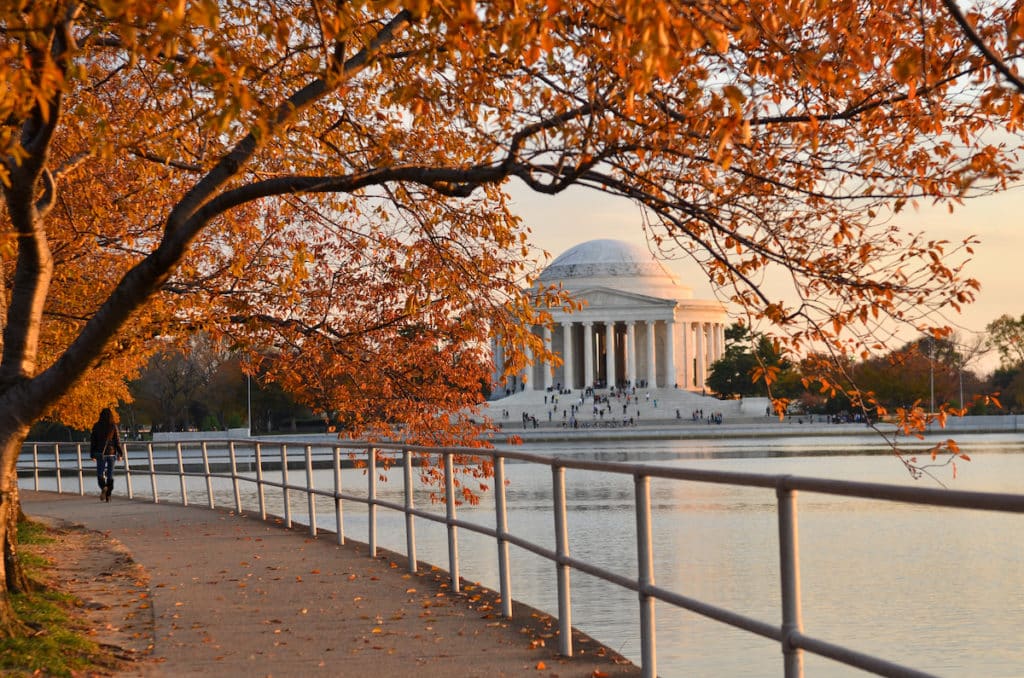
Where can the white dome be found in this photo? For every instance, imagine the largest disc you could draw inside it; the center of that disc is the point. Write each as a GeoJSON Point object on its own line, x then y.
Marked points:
{"type": "Point", "coordinates": [615, 264]}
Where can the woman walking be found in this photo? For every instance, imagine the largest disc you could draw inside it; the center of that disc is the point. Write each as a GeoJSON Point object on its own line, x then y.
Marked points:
{"type": "Point", "coordinates": [105, 448]}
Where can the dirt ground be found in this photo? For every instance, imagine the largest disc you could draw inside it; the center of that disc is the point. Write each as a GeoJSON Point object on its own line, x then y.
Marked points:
{"type": "Point", "coordinates": [112, 590]}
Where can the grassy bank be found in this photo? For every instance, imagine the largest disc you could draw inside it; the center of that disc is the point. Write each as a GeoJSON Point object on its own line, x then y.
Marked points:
{"type": "Point", "coordinates": [58, 643]}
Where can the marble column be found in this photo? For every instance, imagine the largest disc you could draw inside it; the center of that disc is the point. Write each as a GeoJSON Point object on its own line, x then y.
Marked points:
{"type": "Point", "coordinates": [546, 365]}
{"type": "Point", "coordinates": [498, 356]}
{"type": "Point", "coordinates": [687, 351]}
{"type": "Point", "coordinates": [630, 352]}
{"type": "Point", "coordinates": [670, 355]}
{"type": "Point", "coordinates": [609, 353]}
{"type": "Point", "coordinates": [527, 369]}
{"type": "Point", "coordinates": [588, 354]}
{"type": "Point", "coordinates": [700, 350]}
{"type": "Point", "coordinates": [652, 367]}
{"type": "Point", "coordinates": [568, 380]}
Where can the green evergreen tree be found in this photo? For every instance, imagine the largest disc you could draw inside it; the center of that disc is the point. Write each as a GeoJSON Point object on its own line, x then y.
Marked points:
{"type": "Point", "coordinates": [746, 354]}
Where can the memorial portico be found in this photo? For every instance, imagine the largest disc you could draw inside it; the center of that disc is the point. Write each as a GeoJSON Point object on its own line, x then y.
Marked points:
{"type": "Point", "coordinates": [638, 325]}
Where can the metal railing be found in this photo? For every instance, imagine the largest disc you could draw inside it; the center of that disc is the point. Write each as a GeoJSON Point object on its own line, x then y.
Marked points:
{"type": "Point", "coordinates": [155, 460]}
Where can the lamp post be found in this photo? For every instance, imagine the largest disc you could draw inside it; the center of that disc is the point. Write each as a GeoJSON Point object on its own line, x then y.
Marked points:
{"type": "Point", "coordinates": [932, 386]}
{"type": "Point", "coordinates": [931, 374]}
{"type": "Point", "coordinates": [248, 404]}
{"type": "Point", "coordinates": [959, 358]}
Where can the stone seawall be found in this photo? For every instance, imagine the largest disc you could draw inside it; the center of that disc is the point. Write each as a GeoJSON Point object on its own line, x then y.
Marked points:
{"type": "Point", "coordinates": [666, 429]}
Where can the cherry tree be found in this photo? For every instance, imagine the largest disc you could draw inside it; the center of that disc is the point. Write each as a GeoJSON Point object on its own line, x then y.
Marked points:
{"type": "Point", "coordinates": [323, 185]}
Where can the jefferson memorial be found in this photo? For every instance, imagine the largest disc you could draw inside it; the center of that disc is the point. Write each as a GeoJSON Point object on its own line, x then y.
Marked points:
{"type": "Point", "coordinates": [638, 326]}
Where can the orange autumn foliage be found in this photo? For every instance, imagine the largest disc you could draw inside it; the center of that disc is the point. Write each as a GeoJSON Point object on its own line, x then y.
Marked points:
{"type": "Point", "coordinates": [324, 185]}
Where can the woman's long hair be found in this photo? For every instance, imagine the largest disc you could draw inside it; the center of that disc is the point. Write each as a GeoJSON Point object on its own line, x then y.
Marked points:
{"type": "Point", "coordinates": [105, 424]}
{"type": "Point", "coordinates": [106, 417]}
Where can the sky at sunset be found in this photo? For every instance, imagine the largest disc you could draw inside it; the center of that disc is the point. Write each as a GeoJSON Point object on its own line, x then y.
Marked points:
{"type": "Point", "coordinates": [579, 215]}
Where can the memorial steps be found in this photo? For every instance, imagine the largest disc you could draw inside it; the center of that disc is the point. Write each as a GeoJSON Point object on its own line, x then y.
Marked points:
{"type": "Point", "coordinates": [645, 406]}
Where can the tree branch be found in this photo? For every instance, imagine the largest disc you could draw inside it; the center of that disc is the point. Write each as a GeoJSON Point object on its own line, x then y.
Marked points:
{"type": "Point", "coordinates": [990, 56]}
{"type": "Point", "coordinates": [169, 162]}
{"type": "Point", "coordinates": [232, 163]}
{"type": "Point", "coordinates": [452, 181]}
{"type": "Point", "coordinates": [33, 269]}
{"type": "Point", "coordinates": [185, 222]}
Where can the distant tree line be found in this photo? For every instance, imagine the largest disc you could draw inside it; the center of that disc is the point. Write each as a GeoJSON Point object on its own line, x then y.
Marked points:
{"type": "Point", "coordinates": [200, 386]}
{"type": "Point", "coordinates": [1006, 337]}
{"type": "Point", "coordinates": [927, 372]}
{"type": "Point", "coordinates": [203, 387]}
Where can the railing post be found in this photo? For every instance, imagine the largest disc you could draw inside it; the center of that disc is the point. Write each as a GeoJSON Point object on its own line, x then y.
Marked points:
{"type": "Point", "coordinates": [206, 472]}
{"type": "Point", "coordinates": [501, 525]}
{"type": "Point", "coordinates": [645, 572]}
{"type": "Point", "coordinates": [261, 495]}
{"type": "Point", "coordinates": [338, 517]}
{"type": "Point", "coordinates": [410, 525]}
{"type": "Point", "coordinates": [152, 472]}
{"type": "Point", "coordinates": [128, 473]}
{"type": "Point", "coordinates": [311, 496]}
{"type": "Point", "coordinates": [562, 551]}
{"type": "Point", "coordinates": [453, 531]}
{"type": "Point", "coordinates": [81, 471]}
{"type": "Point", "coordinates": [371, 501]}
{"type": "Point", "coordinates": [284, 489]}
{"type": "Point", "coordinates": [56, 465]}
{"type": "Point", "coordinates": [35, 464]}
{"type": "Point", "coordinates": [181, 476]}
{"type": "Point", "coordinates": [234, 477]}
{"type": "Point", "coordinates": [789, 571]}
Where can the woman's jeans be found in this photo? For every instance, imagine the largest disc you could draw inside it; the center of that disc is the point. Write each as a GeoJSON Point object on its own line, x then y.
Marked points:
{"type": "Point", "coordinates": [105, 471]}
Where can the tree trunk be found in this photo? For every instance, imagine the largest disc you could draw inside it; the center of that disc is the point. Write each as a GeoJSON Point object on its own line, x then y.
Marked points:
{"type": "Point", "coordinates": [12, 575]}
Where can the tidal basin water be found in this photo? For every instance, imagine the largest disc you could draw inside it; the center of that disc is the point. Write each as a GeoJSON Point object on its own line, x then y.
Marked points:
{"type": "Point", "coordinates": [939, 590]}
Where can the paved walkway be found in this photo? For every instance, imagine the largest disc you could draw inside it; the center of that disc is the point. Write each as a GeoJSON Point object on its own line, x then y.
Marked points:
{"type": "Point", "coordinates": [235, 596]}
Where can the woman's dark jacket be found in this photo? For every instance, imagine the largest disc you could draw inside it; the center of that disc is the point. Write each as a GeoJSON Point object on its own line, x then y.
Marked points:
{"type": "Point", "coordinates": [104, 437]}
